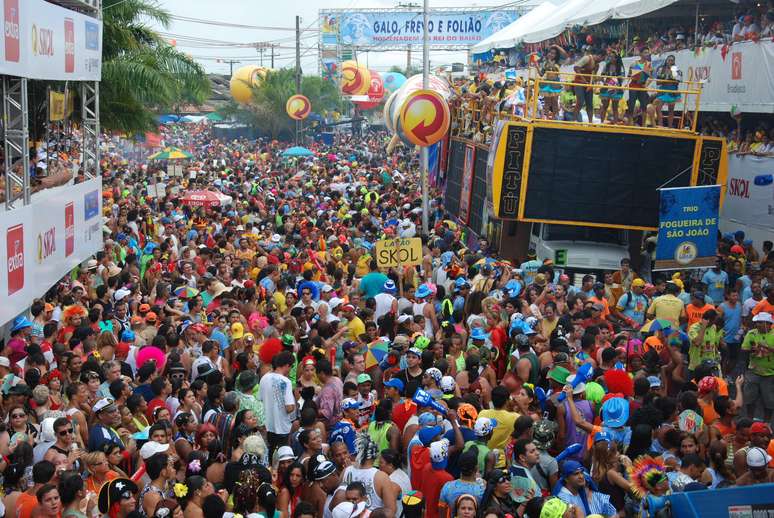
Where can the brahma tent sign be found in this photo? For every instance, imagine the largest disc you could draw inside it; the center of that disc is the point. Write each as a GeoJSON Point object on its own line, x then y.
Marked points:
{"type": "Point", "coordinates": [45, 41]}
{"type": "Point", "coordinates": [381, 27]}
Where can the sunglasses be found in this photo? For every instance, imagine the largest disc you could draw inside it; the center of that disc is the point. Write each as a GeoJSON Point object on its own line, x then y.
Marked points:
{"type": "Point", "coordinates": [62, 433]}
{"type": "Point", "coordinates": [18, 416]}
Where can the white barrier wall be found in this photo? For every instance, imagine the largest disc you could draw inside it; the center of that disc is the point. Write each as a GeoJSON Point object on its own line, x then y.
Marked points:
{"type": "Point", "coordinates": [40, 243]}
{"type": "Point", "coordinates": [749, 200]}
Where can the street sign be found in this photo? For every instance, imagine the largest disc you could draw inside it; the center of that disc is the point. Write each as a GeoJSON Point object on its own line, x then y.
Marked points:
{"type": "Point", "coordinates": [399, 252]}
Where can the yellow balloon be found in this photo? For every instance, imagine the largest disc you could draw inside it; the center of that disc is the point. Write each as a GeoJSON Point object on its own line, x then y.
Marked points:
{"type": "Point", "coordinates": [243, 80]}
{"type": "Point", "coordinates": [355, 79]}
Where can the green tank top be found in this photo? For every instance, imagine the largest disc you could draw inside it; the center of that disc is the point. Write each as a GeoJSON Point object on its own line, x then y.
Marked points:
{"type": "Point", "coordinates": [483, 451]}
{"type": "Point", "coordinates": [534, 369]}
{"type": "Point", "coordinates": [378, 434]}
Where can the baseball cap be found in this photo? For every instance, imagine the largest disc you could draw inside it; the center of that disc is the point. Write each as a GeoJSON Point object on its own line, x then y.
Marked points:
{"type": "Point", "coordinates": [447, 384]}
{"type": "Point", "coordinates": [363, 378]}
{"type": "Point", "coordinates": [151, 317]}
{"type": "Point", "coordinates": [760, 428]}
{"type": "Point", "coordinates": [5, 362]}
{"type": "Point", "coordinates": [105, 403]}
{"type": "Point", "coordinates": [638, 283]}
{"type": "Point", "coordinates": [439, 453]}
{"type": "Point", "coordinates": [327, 288]}
{"type": "Point", "coordinates": [323, 470]}
{"type": "Point", "coordinates": [467, 414]}
{"type": "Point", "coordinates": [396, 384]}
{"type": "Point", "coordinates": [348, 307]}
{"type": "Point", "coordinates": [559, 375]}
{"type": "Point", "coordinates": [144, 308]}
{"type": "Point", "coordinates": [350, 404]}
{"type": "Point", "coordinates": [349, 510]}
{"type": "Point", "coordinates": [426, 435]}
{"type": "Point", "coordinates": [757, 457]}
{"type": "Point", "coordinates": [151, 448]}
{"type": "Point", "coordinates": [415, 351]}
{"type": "Point", "coordinates": [237, 330]}
{"type": "Point", "coordinates": [484, 426]}
{"type": "Point", "coordinates": [655, 381]}
{"type": "Point", "coordinates": [427, 419]}
{"type": "Point", "coordinates": [763, 317]}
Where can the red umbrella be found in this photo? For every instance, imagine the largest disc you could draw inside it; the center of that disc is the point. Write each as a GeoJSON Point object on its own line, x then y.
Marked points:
{"type": "Point", "coordinates": [206, 199]}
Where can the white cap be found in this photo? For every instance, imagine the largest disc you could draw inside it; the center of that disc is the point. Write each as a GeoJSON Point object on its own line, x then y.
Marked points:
{"type": "Point", "coordinates": [276, 238]}
{"type": "Point", "coordinates": [580, 388]}
{"type": "Point", "coordinates": [121, 294]}
{"type": "Point", "coordinates": [404, 318]}
{"type": "Point", "coordinates": [102, 404]}
{"type": "Point", "coordinates": [349, 510]}
{"type": "Point", "coordinates": [47, 429]}
{"type": "Point", "coordinates": [5, 362]}
{"type": "Point", "coordinates": [448, 384]}
{"type": "Point", "coordinates": [151, 448]}
{"type": "Point", "coordinates": [327, 288]}
{"type": "Point", "coordinates": [763, 317]}
{"type": "Point", "coordinates": [335, 302]}
{"type": "Point", "coordinates": [284, 453]}
{"type": "Point", "coordinates": [757, 457]}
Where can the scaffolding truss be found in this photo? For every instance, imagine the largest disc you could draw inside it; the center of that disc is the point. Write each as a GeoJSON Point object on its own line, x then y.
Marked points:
{"type": "Point", "coordinates": [90, 128]}
{"type": "Point", "coordinates": [16, 135]}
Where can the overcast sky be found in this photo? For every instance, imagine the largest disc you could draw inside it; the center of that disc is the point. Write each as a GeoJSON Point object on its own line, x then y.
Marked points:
{"type": "Point", "coordinates": [281, 13]}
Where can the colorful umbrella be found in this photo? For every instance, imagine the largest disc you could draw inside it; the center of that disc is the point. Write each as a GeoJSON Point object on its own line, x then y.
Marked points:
{"type": "Point", "coordinates": [206, 199]}
{"type": "Point", "coordinates": [375, 353]}
{"type": "Point", "coordinates": [170, 153]}
{"type": "Point", "coordinates": [659, 324]}
{"type": "Point", "coordinates": [186, 292]}
{"type": "Point", "coordinates": [297, 151]}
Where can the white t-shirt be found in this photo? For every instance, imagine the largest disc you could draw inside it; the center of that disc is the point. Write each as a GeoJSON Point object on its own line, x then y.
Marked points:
{"type": "Point", "coordinates": [276, 392]}
{"type": "Point", "coordinates": [383, 305]}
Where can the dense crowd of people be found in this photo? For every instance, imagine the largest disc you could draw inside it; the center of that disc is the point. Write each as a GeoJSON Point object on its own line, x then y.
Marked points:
{"type": "Point", "coordinates": [252, 359]}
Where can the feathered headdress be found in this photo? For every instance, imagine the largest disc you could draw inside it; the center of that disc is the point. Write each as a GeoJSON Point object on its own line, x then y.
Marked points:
{"type": "Point", "coordinates": [645, 474]}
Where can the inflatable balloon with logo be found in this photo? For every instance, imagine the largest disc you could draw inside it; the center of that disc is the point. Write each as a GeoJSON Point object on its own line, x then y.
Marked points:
{"type": "Point", "coordinates": [355, 78]}
{"type": "Point", "coordinates": [392, 82]}
{"type": "Point", "coordinates": [426, 119]}
{"type": "Point", "coordinates": [375, 92]}
{"type": "Point", "coordinates": [298, 107]}
{"type": "Point", "coordinates": [243, 80]}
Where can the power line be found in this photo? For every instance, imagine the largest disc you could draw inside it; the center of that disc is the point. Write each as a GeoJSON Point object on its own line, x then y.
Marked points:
{"type": "Point", "coordinates": [235, 25]}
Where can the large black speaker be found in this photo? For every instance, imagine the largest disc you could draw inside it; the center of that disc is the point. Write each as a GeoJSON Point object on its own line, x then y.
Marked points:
{"type": "Point", "coordinates": [608, 178]}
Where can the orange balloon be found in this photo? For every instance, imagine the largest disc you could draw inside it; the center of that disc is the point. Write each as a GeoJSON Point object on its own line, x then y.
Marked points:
{"type": "Point", "coordinates": [424, 117]}
{"type": "Point", "coordinates": [298, 107]}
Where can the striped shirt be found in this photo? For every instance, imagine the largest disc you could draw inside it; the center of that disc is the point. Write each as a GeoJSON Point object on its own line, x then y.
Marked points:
{"type": "Point", "coordinates": [599, 503]}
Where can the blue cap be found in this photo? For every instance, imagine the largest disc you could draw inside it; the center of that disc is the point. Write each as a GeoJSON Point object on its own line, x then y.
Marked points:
{"type": "Point", "coordinates": [395, 383]}
{"type": "Point", "coordinates": [603, 436]}
{"type": "Point", "coordinates": [389, 286]}
{"type": "Point", "coordinates": [350, 404]}
{"type": "Point", "coordinates": [654, 381]}
{"type": "Point", "coordinates": [120, 236]}
{"type": "Point", "coordinates": [615, 412]}
{"type": "Point", "coordinates": [20, 322]}
{"type": "Point", "coordinates": [423, 291]}
{"type": "Point", "coordinates": [426, 435]}
{"type": "Point", "coordinates": [479, 334]}
{"type": "Point", "coordinates": [446, 258]}
{"type": "Point", "coordinates": [460, 283]}
{"type": "Point", "coordinates": [127, 336]}
{"type": "Point", "coordinates": [571, 467]}
{"type": "Point", "coordinates": [427, 419]}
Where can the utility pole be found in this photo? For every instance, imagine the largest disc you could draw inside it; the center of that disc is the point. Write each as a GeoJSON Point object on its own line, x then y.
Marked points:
{"type": "Point", "coordinates": [260, 51]}
{"type": "Point", "coordinates": [408, 60]}
{"type": "Point", "coordinates": [272, 56]}
{"type": "Point", "coordinates": [298, 68]}
{"type": "Point", "coordinates": [424, 153]}
{"type": "Point", "coordinates": [231, 65]}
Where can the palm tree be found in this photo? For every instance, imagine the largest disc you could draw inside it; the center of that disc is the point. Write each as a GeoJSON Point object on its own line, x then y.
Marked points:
{"type": "Point", "coordinates": [140, 71]}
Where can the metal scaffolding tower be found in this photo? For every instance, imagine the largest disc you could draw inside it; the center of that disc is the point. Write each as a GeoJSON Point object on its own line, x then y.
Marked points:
{"type": "Point", "coordinates": [16, 134]}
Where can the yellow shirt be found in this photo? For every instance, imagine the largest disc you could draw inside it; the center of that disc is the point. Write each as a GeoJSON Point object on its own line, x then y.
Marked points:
{"type": "Point", "coordinates": [669, 308]}
{"type": "Point", "coordinates": [356, 328]}
{"type": "Point", "coordinates": [502, 432]}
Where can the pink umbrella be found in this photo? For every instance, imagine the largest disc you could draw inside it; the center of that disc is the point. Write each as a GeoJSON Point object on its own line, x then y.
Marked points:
{"type": "Point", "coordinates": [206, 199]}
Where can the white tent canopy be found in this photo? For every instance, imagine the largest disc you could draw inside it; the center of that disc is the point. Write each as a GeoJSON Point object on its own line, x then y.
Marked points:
{"type": "Point", "coordinates": [549, 21]}
{"type": "Point", "coordinates": [510, 36]}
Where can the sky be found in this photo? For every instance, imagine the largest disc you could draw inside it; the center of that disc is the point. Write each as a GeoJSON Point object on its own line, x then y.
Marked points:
{"type": "Point", "coordinates": [281, 14]}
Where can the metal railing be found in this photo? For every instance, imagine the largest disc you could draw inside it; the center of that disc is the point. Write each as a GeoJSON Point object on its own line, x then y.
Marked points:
{"type": "Point", "coordinates": [473, 116]}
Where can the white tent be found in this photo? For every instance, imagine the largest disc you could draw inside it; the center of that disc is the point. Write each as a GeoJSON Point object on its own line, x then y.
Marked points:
{"type": "Point", "coordinates": [549, 21]}
{"type": "Point", "coordinates": [599, 11]}
{"type": "Point", "coordinates": [554, 25]}
{"type": "Point", "coordinates": [511, 35]}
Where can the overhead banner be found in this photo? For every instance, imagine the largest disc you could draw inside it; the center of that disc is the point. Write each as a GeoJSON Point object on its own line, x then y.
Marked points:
{"type": "Point", "coordinates": [399, 252]}
{"type": "Point", "coordinates": [42, 242]}
{"type": "Point", "coordinates": [45, 41]}
{"type": "Point", "coordinates": [369, 28]}
{"type": "Point", "coordinates": [687, 227]}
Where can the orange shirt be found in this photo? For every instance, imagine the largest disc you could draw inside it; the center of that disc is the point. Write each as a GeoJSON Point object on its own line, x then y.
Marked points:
{"type": "Point", "coordinates": [763, 305]}
{"type": "Point", "coordinates": [25, 504]}
{"type": "Point", "coordinates": [695, 314]}
{"type": "Point", "coordinates": [603, 301]}
{"type": "Point", "coordinates": [91, 484]}
{"type": "Point", "coordinates": [708, 409]}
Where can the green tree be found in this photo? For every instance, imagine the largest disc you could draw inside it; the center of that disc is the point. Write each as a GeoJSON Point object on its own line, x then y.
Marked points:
{"type": "Point", "coordinates": [267, 112]}
{"type": "Point", "coordinates": [141, 73]}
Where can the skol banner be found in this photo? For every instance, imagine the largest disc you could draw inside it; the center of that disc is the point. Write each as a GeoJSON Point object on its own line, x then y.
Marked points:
{"type": "Point", "coordinates": [687, 227]}
{"type": "Point", "coordinates": [377, 27]}
{"type": "Point", "coordinates": [45, 41]}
